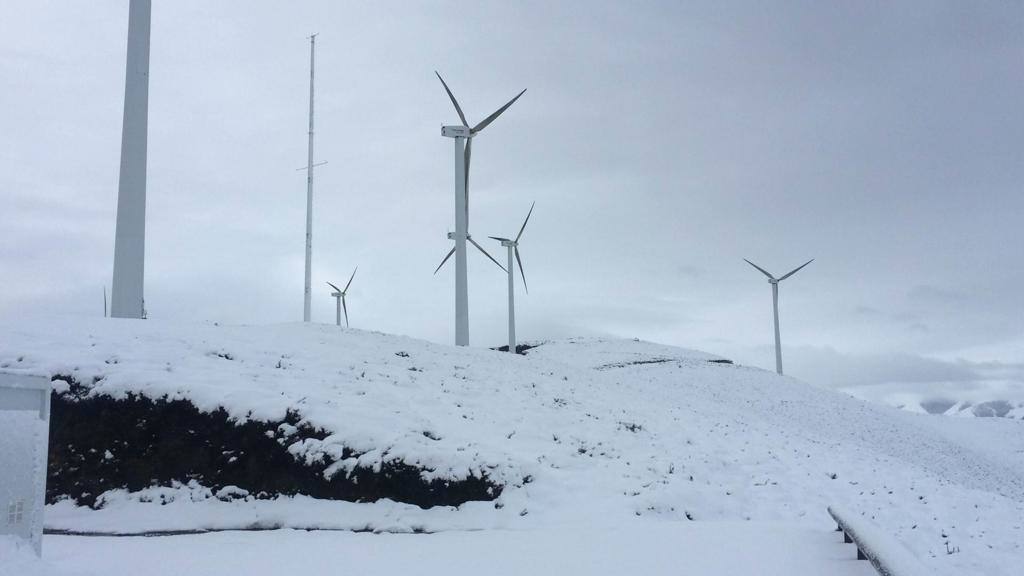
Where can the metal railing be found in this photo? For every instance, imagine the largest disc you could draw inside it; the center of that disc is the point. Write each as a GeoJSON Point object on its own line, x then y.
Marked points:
{"type": "Point", "coordinates": [888, 557]}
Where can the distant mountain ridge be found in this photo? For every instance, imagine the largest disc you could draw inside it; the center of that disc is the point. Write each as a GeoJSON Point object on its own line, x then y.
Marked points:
{"type": "Point", "coordinates": [989, 409]}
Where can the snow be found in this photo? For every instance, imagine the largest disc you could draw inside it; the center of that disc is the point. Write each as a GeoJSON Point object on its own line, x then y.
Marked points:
{"type": "Point", "coordinates": [892, 558]}
{"type": "Point", "coordinates": [586, 434]}
{"type": "Point", "coordinates": [17, 558]}
{"type": "Point", "coordinates": [707, 549]}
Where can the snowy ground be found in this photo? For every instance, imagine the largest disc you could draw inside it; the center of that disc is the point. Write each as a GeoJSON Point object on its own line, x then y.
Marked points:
{"type": "Point", "coordinates": [647, 548]}
{"type": "Point", "coordinates": [587, 435]}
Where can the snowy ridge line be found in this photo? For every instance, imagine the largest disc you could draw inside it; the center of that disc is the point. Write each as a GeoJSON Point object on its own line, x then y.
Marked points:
{"type": "Point", "coordinates": [257, 528]}
{"type": "Point", "coordinates": [888, 557]}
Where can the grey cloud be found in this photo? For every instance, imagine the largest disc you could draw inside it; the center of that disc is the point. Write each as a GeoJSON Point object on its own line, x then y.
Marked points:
{"type": "Point", "coordinates": [830, 367]}
{"type": "Point", "coordinates": [937, 294]}
{"type": "Point", "coordinates": [662, 141]}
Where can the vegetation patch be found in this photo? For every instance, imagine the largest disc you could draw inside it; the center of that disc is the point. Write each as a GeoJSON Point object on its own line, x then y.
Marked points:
{"type": "Point", "coordinates": [636, 363]}
{"type": "Point", "coordinates": [520, 348]}
{"type": "Point", "coordinates": [99, 443]}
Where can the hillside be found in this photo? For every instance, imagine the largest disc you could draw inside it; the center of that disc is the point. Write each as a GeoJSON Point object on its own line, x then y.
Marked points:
{"type": "Point", "coordinates": [576, 431]}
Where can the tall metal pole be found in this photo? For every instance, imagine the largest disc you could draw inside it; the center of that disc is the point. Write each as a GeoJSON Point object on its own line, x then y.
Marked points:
{"type": "Point", "coordinates": [337, 310]}
{"type": "Point", "coordinates": [511, 303]}
{"type": "Point", "coordinates": [461, 284]}
{"type": "Point", "coordinates": [130, 235]}
{"type": "Point", "coordinates": [309, 187]}
{"type": "Point", "coordinates": [778, 341]}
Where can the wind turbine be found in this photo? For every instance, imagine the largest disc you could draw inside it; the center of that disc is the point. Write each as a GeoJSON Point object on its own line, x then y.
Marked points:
{"type": "Point", "coordinates": [126, 299]}
{"type": "Point", "coordinates": [513, 249]}
{"type": "Point", "coordinates": [775, 305]}
{"type": "Point", "coordinates": [339, 296]}
{"type": "Point", "coordinates": [463, 137]}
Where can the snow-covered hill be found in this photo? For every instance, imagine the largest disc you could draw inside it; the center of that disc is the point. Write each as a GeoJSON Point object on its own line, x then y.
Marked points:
{"type": "Point", "coordinates": [576, 431]}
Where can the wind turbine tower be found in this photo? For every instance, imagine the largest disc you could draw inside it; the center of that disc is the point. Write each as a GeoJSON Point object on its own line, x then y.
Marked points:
{"type": "Point", "coordinates": [513, 249]}
{"type": "Point", "coordinates": [130, 235]}
{"type": "Point", "coordinates": [463, 137]}
{"type": "Point", "coordinates": [775, 305]}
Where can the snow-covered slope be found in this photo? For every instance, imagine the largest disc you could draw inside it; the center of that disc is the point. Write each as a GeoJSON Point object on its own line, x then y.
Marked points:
{"type": "Point", "coordinates": [577, 431]}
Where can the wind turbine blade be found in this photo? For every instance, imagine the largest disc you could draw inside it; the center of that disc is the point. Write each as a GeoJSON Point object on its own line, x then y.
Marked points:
{"type": "Point", "coordinates": [525, 221]}
{"type": "Point", "coordinates": [469, 153]}
{"type": "Point", "coordinates": [350, 280]}
{"type": "Point", "coordinates": [481, 248]}
{"type": "Point", "coordinates": [497, 113]}
{"type": "Point", "coordinates": [796, 270]}
{"type": "Point", "coordinates": [454, 101]}
{"type": "Point", "coordinates": [345, 308]}
{"type": "Point", "coordinates": [498, 238]}
{"type": "Point", "coordinates": [336, 289]}
{"type": "Point", "coordinates": [763, 271]}
{"type": "Point", "coordinates": [521, 273]}
{"type": "Point", "coordinates": [452, 251]}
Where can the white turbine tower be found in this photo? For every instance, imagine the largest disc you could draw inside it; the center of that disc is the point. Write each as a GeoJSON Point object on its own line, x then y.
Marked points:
{"type": "Point", "coordinates": [130, 236]}
{"type": "Point", "coordinates": [463, 136]}
{"type": "Point", "coordinates": [339, 297]}
{"type": "Point", "coordinates": [513, 249]}
{"type": "Point", "coordinates": [775, 305]}
{"type": "Point", "coordinates": [309, 187]}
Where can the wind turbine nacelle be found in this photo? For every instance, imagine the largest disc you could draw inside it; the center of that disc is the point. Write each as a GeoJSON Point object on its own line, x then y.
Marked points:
{"type": "Point", "coordinates": [456, 131]}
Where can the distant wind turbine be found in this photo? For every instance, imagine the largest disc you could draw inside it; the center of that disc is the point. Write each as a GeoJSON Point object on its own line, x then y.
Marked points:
{"type": "Point", "coordinates": [775, 305]}
{"type": "Point", "coordinates": [339, 297]}
{"type": "Point", "coordinates": [513, 249]}
{"type": "Point", "coordinates": [463, 136]}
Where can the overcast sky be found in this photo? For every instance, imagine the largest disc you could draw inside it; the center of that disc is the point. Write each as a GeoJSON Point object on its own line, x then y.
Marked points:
{"type": "Point", "coordinates": [662, 141]}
